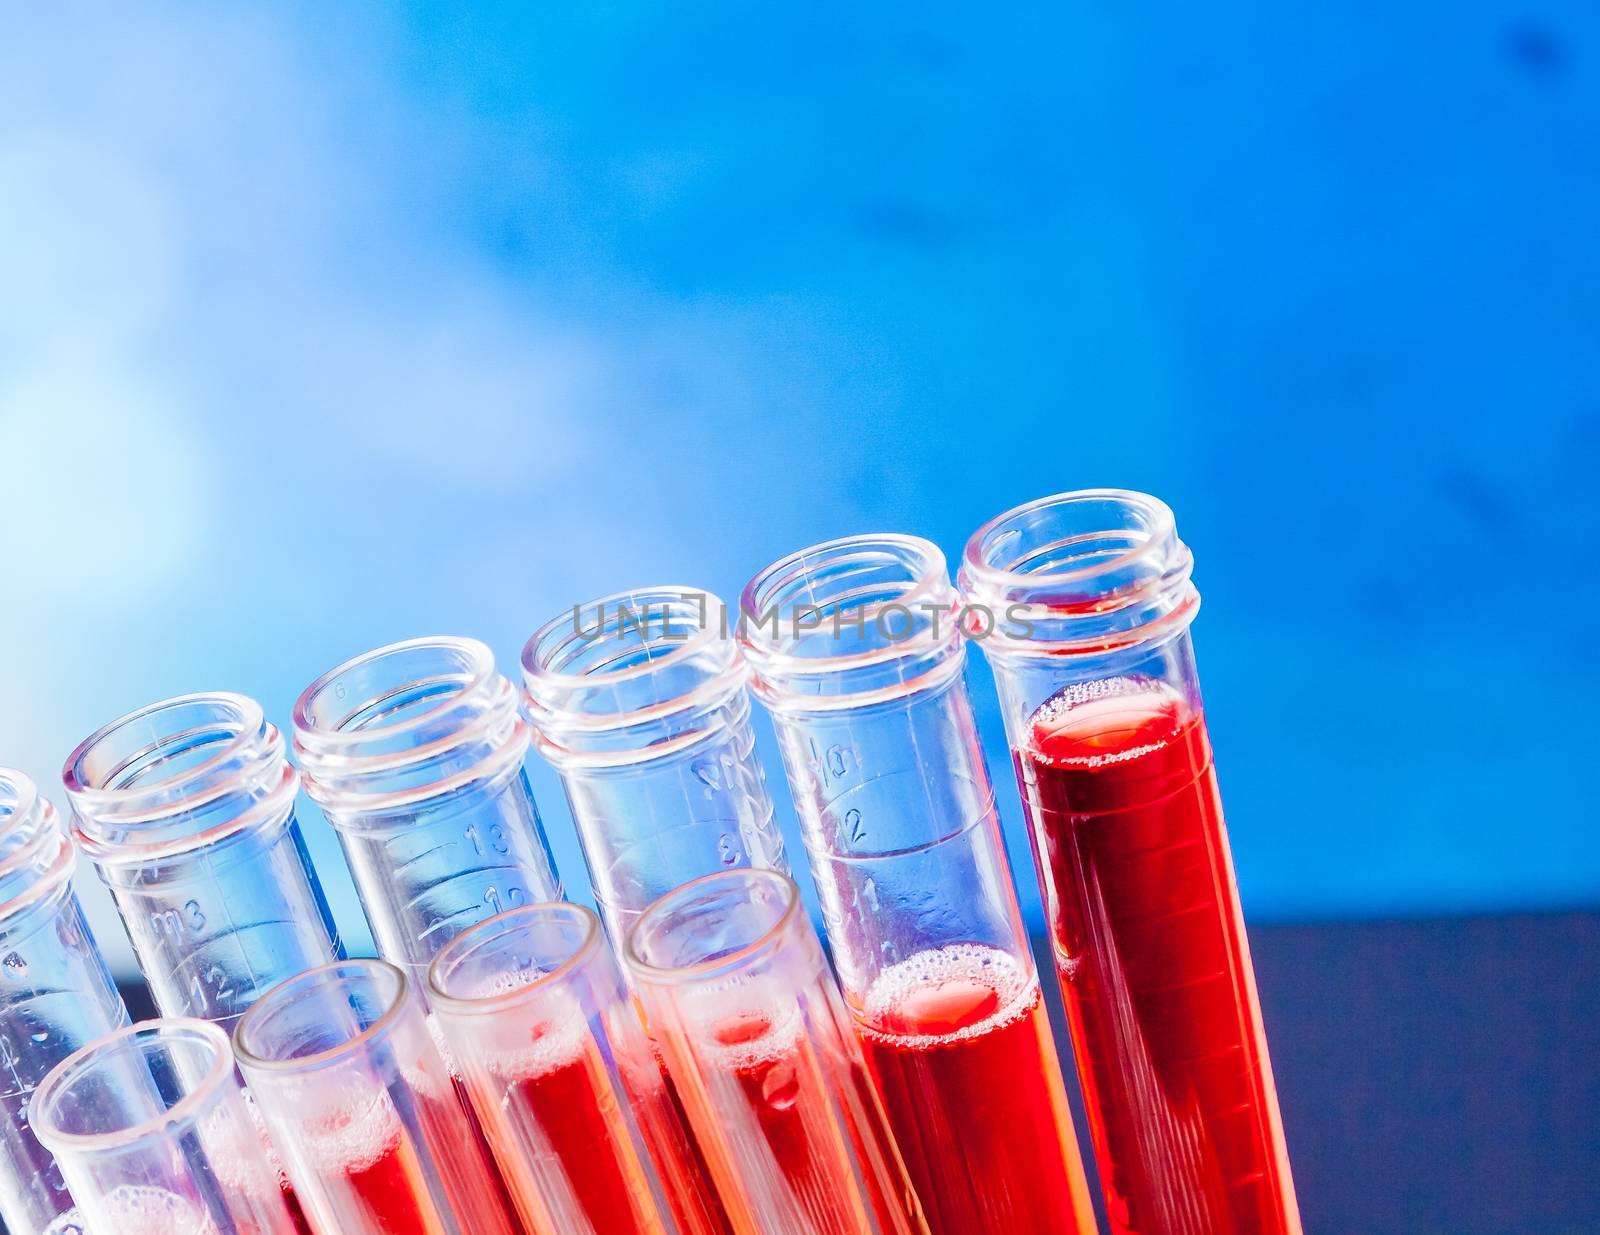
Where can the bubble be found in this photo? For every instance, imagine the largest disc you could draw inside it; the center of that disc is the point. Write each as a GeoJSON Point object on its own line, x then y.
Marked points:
{"type": "Point", "coordinates": [781, 1086]}
{"type": "Point", "coordinates": [15, 965]}
{"type": "Point", "coordinates": [69, 1223]}
{"type": "Point", "coordinates": [136, 1209]}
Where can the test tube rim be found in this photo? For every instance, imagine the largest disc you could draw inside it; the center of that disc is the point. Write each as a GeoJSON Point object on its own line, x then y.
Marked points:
{"type": "Point", "coordinates": [351, 1047]}
{"type": "Point", "coordinates": [127, 799]}
{"type": "Point", "coordinates": [482, 670]}
{"type": "Point", "coordinates": [932, 581]}
{"type": "Point", "coordinates": [770, 939]}
{"type": "Point", "coordinates": [186, 1110]}
{"type": "Point", "coordinates": [534, 670]}
{"type": "Point", "coordinates": [587, 948]}
{"type": "Point", "coordinates": [976, 568]}
{"type": "Point", "coordinates": [28, 804]}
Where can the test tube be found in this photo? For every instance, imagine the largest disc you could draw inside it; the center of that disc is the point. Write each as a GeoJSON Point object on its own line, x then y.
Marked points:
{"type": "Point", "coordinates": [151, 1131]}
{"type": "Point", "coordinates": [558, 1068]}
{"type": "Point", "coordinates": [734, 983]}
{"type": "Point", "coordinates": [415, 754]}
{"type": "Point", "coordinates": [638, 701]}
{"type": "Point", "coordinates": [356, 1093]}
{"type": "Point", "coordinates": [1082, 603]}
{"type": "Point", "coordinates": [186, 810]}
{"type": "Point", "coordinates": [56, 995]}
{"type": "Point", "coordinates": [856, 653]}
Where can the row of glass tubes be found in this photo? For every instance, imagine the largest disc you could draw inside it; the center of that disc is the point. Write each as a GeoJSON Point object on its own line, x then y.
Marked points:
{"type": "Point", "coordinates": [415, 754]}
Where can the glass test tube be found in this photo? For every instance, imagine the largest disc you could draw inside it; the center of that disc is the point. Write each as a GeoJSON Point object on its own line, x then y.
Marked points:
{"type": "Point", "coordinates": [638, 701]}
{"type": "Point", "coordinates": [857, 654]}
{"type": "Point", "coordinates": [415, 754]}
{"type": "Point", "coordinates": [558, 1067]}
{"type": "Point", "coordinates": [1082, 603]}
{"type": "Point", "coordinates": [747, 1014]}
{"type": "Point", "coordinates": [56, 995]}
{"type": "Point", "coordinates": [186, 809]}
{"type": "Point", "coordinates": [152, 1132]}
{"type": "Point", "coordinates": [354, 1089]}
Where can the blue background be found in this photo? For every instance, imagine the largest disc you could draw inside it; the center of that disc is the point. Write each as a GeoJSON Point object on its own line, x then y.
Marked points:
{"type": "Point", "coordinates": [327, 325]}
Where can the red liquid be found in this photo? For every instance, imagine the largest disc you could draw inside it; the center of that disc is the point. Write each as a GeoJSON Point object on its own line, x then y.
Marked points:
{"type": "Point", "coordinates": [375, 1174]}
{"type": "Point", "coordinates": [959, 1044]}
{"type": "Point", "coordinates": [1155, 967]}
{"type": "Point", "coordinates": [569, 1120]}
{"type": "Point", "coordinates": [685, 1176]}
{"type": "Point", "coordinates": [787, 1160]}
{"type": "Point", "coordinates": [297, 1214]}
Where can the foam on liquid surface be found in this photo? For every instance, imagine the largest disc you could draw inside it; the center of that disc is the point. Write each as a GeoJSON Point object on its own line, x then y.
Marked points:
{"type": "Point", "coordinates": [947, 995]}
{"type": "Point", "coordinates": [1108, 721]}
{"type": "Point", "coordinates": [133, 1209]}
{"type": "Point", "coordinates": [355, 1137]}
{"type": "Point", "coordinates": [553, 1037]}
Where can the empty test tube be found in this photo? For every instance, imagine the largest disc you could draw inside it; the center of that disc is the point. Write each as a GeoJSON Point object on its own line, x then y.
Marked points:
{"type": "Point", "coordinates": [415, 754]}
{"type": "Point", "coordinates": [352, 1085]}
{"type": "Point", "coordinates": [558, 1067]}
{"type": "Point", "coordinates": [151, 1130]}
{"type": "Point", "coordinates": [56, 996]}
{"type": "Point", "coordinates": [736, 989]}
{"type": "Point", "coordinates": [639, 702]}
{"type": "Point", "coordinates": [186, 810]}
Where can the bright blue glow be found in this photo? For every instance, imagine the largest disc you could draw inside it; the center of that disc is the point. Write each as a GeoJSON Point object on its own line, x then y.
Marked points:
{"type": "Point", "coordinates": [325, 327]}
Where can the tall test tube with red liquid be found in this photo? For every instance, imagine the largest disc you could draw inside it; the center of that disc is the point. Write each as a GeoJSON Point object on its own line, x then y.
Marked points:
{"type": "Point", "coordinates": [552, 1052]}
{"type": "Point", "coordinates": [857, 655]}
{"type": "Point", "coordinates": [735, 986]}
{"type": "Point", "coordinates": [638, 700]}
{"type": "Point", "coordinates": [1082, 603]}
{"type": "Point", "coordinates": [357, 1095]}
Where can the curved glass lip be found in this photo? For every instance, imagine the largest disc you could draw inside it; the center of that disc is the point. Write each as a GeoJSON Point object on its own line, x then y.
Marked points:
{"type": "Point", "coordinates": [252, 719]}
{"type": "Point", "coordinates": [491, 928]}
{"type": "Point", "coordinates": [729, 962]}
{"type": "Point", "coordinates": [355, 1045]}
{"type": "Point", "coordinates": [535, 669]}
{"type": "Point", "coordinates": [28, 807]}
{"type": "Point", "coordinates": [19, 790]}
{"type": "Point", "coordinates": [482, 671]}
{"type": "Point", "coordinates": [932, 580]}
{"type": "Point", "coordinates": [183, 1112]}
{"type": "Point", "coordinates": [975, 568]}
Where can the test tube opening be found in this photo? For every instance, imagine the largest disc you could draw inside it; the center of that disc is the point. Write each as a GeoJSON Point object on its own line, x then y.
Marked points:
{"type": "Point", "coordinates": [713, 926]}
{"type": "Point", "coordinates": [385, 697]}
{"type": "Point", "coordinates": [1088, 570]}
{"type": "Point", "coordinates": [34, 853]}
{"type": "Point", "coordinates": [155, 1078]}
{"type": "Point", "coordinates": [606, 662]}
{"type": "Point", "coordinates": [178, 774]}
{"type": "Point", "coordinates": [321, 1017]}
{"type": "Point", "coordinates": [505, 958]}
{"type": "Point", "coordinates": [853, 596]}
{"type": "Point", "coordinates": [406, 723]}
{"type": "Point", "coordinates": [166, 749]}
